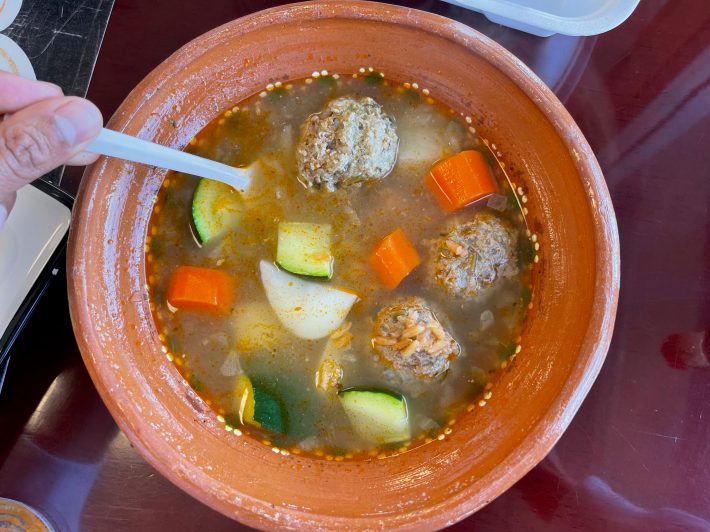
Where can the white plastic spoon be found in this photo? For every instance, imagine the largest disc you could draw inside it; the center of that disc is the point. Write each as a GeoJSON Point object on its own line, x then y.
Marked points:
{"type": "Point", "coordinates": [123, 146]}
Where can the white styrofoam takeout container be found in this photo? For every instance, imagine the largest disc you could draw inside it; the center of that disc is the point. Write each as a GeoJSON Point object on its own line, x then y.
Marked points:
{"type": "Point", "coordinates": [547, 17]}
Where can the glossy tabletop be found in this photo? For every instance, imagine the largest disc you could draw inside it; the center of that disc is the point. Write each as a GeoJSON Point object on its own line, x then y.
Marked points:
{"type": "Point", "coordinates": [636, 456]}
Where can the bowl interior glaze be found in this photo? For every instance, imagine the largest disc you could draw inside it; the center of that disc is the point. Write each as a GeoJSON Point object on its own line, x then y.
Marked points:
{"type": "Point", "coordinates": [576, 281]}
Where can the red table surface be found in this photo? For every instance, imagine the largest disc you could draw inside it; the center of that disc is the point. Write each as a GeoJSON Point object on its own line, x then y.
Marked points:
{"type": "Point", "coordinates": [636, 456]}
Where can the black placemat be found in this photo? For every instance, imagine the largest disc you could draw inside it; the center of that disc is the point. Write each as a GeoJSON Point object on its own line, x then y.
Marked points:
{"type": "Point", "coordinates": [62, 40]}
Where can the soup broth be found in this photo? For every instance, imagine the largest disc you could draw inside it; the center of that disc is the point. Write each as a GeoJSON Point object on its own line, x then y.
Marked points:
{"type": "Point", "coordinates": [310, 391]}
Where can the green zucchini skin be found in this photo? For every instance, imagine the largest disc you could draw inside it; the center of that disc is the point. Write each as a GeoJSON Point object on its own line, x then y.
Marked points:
{"type": "Point", "coordinates": [216, 209]}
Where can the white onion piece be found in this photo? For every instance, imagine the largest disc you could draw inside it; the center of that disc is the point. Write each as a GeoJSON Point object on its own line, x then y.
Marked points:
{"type": "Point", "coordinates": [310, 310]}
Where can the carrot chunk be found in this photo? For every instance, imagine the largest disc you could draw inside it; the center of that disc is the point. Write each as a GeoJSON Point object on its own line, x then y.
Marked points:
{"type": "Point", "coordinates": [394, 258]}
{"type": "Point", "coordinates": [460, 180]}
{"type": "Point", "coordinates": [201, 289]}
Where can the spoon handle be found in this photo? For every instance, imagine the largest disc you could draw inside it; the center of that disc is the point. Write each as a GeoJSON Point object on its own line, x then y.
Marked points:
{"type": "Point", "coordinates": [115, 144]}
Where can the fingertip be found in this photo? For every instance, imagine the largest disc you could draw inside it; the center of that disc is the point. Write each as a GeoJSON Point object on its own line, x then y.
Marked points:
{"type": "Point", "coordinates": [88, 106]}
{"type": "Point", "coordinates": [17, 92]}
{"type": "Point", "coordinates": [41, 90]}
{"type": "Point", "coordinates": [87, 103]}
{"type": "Point", "coordinates": [56, 90]}
{"type": "Point", "coordinates": [83, 159]}
{"type": "Point", "coordinates": [79, 120]}
{"type": "Point", "coordinates": [51, 90]}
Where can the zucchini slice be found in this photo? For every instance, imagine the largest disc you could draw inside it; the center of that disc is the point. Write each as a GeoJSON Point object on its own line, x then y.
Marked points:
{"type": "Point", "coordinates": [304, 248]}
{"type": "Point", "coordinates": [216, 209]}
{"type": "Point", "coordinates": [256, 406]}
{"type": "Point", "coordinates": [268, 411]}
{"type": "Point", "coordinates": [378, 416]}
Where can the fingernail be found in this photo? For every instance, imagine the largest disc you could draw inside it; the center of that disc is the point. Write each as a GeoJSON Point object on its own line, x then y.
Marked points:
{"type": "Point", "coordinates": [3, 215]}
{"type": "Point", "coordinates": [78, 120]}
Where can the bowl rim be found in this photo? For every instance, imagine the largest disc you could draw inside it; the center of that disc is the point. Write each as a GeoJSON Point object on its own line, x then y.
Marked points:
{"type": "Point", "coordinates": [549, 428]}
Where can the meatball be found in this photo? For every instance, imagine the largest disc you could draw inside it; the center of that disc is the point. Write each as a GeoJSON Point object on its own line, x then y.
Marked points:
{"type": "Point", "coordinates": [351, 141]}
{"type": "Point", "coordinates": [473, 256]}
{"type": "Point", "coordinates": [410, 339]}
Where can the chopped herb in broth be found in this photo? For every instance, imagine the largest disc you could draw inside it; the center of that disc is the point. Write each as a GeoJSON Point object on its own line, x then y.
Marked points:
{"type": "Point", "coordinates": [360, 294]}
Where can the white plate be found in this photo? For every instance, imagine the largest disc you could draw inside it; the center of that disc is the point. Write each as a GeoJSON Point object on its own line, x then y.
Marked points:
{"type": "Point", "coordinates": [13, 59]}
{"type": "Point", "coordinates": [547, 17]}
{"type": "Point", "coordinates": [8, 12]}
{"type": "Point", "coordinates": [34, 229]}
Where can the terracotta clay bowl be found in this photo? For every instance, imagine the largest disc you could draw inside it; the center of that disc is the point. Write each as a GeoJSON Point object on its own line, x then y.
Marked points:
{"type": "Point", "coordinates": [576, 280]}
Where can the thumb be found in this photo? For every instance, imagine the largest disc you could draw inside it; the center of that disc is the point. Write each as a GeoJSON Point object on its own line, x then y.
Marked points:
{"type": "Point", "coordinates": [41, 137]}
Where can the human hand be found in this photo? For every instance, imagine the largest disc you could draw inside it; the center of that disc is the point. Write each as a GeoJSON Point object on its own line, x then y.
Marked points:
{"type": "Point", "coordinates": [40, 130]}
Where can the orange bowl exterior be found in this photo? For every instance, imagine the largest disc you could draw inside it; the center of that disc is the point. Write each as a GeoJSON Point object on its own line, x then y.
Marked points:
{"type": "Point", "coordinates": [576, 281]}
